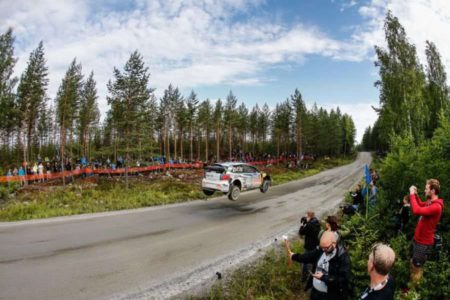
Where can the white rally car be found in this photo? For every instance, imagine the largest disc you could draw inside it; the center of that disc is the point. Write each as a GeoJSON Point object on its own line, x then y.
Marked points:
{"type": "Point", "coordinates": [233, 177]}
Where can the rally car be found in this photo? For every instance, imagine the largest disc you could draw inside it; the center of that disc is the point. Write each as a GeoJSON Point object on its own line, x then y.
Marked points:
{"type": "Point", "coordinates": [232, 177]}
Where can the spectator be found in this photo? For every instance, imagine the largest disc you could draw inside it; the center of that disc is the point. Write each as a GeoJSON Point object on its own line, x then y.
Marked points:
{"type": "Point", "coordinates": [41, 172]}
{"type": "Point", "coordinates": [374, 177]}
{"type": "Point", "coordinates": [310, 228]}
{"type": "Point", "coordinates": [430, 213]}
{"type": "Point", "coordinates": [331, 225]}
{"type": "Point", "coordinates": [21, 173]}
{"type": "Point", "coordinates": [357, 197]}
{"type": "Point", "coordinates": [404, 213]}
{"type": "Point", "coordinates": [15, 172]}
{"type": "Point", "coordinates": [380, 263]}
{"type": "Point", "coordinates": [331, 277]}
{"type": "Point", "coordinates": [373, 194]}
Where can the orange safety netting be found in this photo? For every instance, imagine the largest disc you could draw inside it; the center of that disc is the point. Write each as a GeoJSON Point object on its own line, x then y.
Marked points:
{"type": "Point", "coordinates": [88, 170]}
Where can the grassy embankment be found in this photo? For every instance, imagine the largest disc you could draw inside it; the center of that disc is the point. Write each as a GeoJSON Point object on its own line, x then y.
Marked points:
{"type": "Point", "coordinates": [99, 195]}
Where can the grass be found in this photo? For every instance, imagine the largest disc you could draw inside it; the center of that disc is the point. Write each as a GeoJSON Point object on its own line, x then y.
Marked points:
{"type": "Point", "coordinates": [269, 278]}
{"type": "Point", "coordinates": [106, 197]}
{"type": "Point", "coordinates": [283, 176]}
{"type": "Point", "coordinates": [110, 194]}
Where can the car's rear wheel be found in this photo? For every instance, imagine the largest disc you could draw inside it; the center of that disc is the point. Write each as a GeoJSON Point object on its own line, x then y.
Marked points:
{"type": "Point", "coordinates": [265, 186]}
{"type": "Point", "coordinates": [208, 192]}
{"type": "Point", "coordinates": [234, 193]}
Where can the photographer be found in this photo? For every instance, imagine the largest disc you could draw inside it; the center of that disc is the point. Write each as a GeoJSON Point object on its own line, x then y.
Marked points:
{"type": "Point", "coordinates": [310, 228]}
{"type": "Point", "coordinates": [430, 213]}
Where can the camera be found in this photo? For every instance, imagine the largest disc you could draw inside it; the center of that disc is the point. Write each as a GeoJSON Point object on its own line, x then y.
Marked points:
{"type": "Point", "coordinates": [303, 220]}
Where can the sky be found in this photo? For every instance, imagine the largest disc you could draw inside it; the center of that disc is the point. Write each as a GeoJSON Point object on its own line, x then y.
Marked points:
{"type": "Point", "coordinates": [262, 50]}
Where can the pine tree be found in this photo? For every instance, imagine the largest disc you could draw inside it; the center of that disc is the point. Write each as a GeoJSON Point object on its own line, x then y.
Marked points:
{"type": "Point", "coordinates": [253, 125]}
{"type": "Point", "coordinates": [89, 113]}
{"type": "Point", "coordinates": [67, 104]}
{"type": "Point", "coordinates": [204, 120]}
{"type": "Point", "coordinates": [230, 120]}
{"type": "Point", "coordinates": [129, 96]}
{"type": "Point", "coordinates": [299, 113]}
{"type": "Point", "coordinates": [192, 105]}
{"type": "Point", "coordinates": [31, 95]}
{"type": "Point", "coordinates": [8, 108]}
{"type": "Point", "coordinates": [264, 124]}
{"type": "Point", "coordinates": [242, 125]}
{"type": "Point", "coordinates": [218, 125]}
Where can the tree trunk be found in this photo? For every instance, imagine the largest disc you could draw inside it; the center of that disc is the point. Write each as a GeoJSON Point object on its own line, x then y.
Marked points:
{"type": "Point", "coordinates": [181, 144]}
{"type": "Point", "coordinates": [217, 144]}
{"type": "Point", "coordinates": [199, 144]}
{"type": "Point", "coordinates": [62, 149]}
{"type": "Point", "coordinates": [191, 141]}
{"type": "Point", "coordinates": [229, 141]}
{"type": "Point", "coordinates": [206, 146]}
{"type": "Point", "coordinates": [175, 145]}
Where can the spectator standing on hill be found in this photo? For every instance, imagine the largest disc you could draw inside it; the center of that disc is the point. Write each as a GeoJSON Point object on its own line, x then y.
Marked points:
{"type": "Point", "coordinates": [331, 225]}
{"type": "Point", "coordinates": [380, 263]}
{"type": "Point", "coordinates": [374, 176]}
{"type": "Point", "coordinates": [22, 176]}
{"type": "Point", "coordinates": [430, 213]}
{"type": "Point", "coordinates": [404, 213]}
{"type": "Point", "coordinates": [41, 172]}
{"type": "Point", "coordinates": [373, 194]}
{"type": "Point", "coordinates": [330, 280]}
{"type": "Point", "coordinates": [310, 228]}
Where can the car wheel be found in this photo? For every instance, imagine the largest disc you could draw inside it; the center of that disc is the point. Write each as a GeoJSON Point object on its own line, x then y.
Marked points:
{"type": "Point", "coordinates": [234, 193]}
{"type": "Point", "coordinates": [208, 192]}
{"type": "Point", "coordinates": [265, 186]}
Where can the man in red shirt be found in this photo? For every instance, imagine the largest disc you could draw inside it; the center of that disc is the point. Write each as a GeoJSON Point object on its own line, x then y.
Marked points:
{"type": "Point", "coordinates": [430, 213]}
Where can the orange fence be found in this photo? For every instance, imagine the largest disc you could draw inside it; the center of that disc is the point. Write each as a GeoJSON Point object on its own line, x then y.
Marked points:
{"type": "Point", "coordinates": [89, 171]}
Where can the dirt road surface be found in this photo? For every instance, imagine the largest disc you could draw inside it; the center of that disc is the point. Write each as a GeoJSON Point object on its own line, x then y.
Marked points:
{"type": "Point", "coordinates": [157, 252]}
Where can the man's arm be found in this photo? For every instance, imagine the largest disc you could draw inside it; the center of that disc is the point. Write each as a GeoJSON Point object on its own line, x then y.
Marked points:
{"type": "Point", "coordinates": [417, 200]}
{"type": "Point", "coordinates": [307, 257]}
{"type": "Point", "coordinates": [420, 209]}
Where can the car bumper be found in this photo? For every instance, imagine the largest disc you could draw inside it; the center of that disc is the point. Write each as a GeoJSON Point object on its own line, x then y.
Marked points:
{"type": "Point", "coordinates": [222, 186]}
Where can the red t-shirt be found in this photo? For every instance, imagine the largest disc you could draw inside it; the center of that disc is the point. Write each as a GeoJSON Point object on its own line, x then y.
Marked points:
{"type": "Point", "coordinates": [430, 214]}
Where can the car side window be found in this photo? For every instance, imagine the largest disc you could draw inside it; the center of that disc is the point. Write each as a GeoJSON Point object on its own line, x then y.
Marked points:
{"type": "Point", "coordinates": [250, 169]}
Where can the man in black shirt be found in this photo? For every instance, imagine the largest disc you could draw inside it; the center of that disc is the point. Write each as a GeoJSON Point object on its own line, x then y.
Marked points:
{"type": "Point", "coordinates": [310, 228]}
{"type": "Point", "coordinates": [382, 286]}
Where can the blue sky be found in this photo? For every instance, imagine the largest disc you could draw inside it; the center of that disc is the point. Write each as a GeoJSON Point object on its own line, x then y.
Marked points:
{"type": "Point", "coordinates": [260, 49]}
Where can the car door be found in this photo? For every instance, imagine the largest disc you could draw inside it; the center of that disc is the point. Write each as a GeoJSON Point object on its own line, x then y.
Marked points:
{"type": "Point", "coordinates": [252, 177]}
{"type": "Point", "coordinates": [256, 177]}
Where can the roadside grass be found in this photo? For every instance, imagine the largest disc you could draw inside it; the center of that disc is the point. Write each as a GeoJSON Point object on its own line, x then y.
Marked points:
{"type": "Point", "coordinates": [280, 177]}
{"type": "Point", "coordinates": [75, 199]}
{"type": "Point", "coordinates": [109, 195]}
{"type": "Point", "coordinates": [269, 278]}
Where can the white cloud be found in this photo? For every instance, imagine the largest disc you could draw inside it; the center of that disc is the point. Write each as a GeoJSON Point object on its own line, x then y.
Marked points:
{"type": "Point", "coordinates": [187, 43]}
{"type": "Point", "coordinates": [422, 19]}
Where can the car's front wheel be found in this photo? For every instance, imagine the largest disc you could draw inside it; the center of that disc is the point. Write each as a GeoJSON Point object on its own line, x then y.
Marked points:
{"type": "Point", "coordinates": [234, 193]}
{"type": "Point", "coordinates": [265, 186]}
{"type": "Point", "coordinates": [208, 192]}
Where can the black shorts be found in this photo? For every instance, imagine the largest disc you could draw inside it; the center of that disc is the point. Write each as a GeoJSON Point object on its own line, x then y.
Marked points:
{"type": "Point", "coordinates": [420, 253]}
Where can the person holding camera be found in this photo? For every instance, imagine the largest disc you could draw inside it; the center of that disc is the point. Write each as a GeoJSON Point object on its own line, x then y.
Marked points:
{"type": "Point", "coordinates": [309, 229]}
{"type": "Point", "coordinates": [430, 213]}
{"type": "Point", "coordinates": [380, 263]}
{"type": "Point", "coordinates": [331, 277]}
